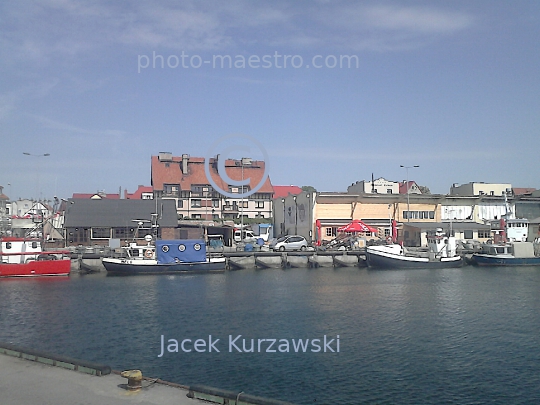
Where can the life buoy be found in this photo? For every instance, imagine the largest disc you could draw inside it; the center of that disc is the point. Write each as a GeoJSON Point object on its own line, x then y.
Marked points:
{"type": "Point", "coordinates": [148, 254]}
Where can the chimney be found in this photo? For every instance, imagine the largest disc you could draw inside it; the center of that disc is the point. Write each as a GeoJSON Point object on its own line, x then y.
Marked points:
{"type": "Point", "coordinates": [185, 159]}
{"type": "Point", "coordinates": [216, 161]}
{"type": "Point", "coordinates": [165, 156]}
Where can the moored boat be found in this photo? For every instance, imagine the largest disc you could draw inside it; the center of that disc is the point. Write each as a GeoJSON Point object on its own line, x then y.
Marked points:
{"type": "Point", "coordinates": [25, 257]}
{"type": "Point", "coordinates": [441, 254]}
{"type": "Point", "coordinates": [510, 247]}
{"type": "Point", "coordinates": [165, 257]}
{"type": "Point", "coordinates": [507, 254]}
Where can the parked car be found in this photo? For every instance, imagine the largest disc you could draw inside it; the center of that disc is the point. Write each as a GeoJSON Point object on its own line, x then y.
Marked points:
{"type": "Point", "coordinates": [291, 242]}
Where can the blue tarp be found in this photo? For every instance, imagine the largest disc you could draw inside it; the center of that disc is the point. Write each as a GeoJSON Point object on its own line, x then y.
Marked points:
{"type": "Point", "coordinates": [181, 251]}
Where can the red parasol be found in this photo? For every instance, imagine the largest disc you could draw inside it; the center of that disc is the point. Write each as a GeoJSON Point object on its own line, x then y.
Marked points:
{"type": "Point", "coordinates": [357, 226]}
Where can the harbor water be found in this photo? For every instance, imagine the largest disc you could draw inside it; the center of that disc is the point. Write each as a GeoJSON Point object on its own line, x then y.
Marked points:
{"type": "Point", "coordinates": [455, 336]}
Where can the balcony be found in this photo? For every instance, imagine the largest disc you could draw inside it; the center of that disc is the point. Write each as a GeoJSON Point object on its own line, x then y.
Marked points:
{"type": "Point", "coordinates": [230, 208]}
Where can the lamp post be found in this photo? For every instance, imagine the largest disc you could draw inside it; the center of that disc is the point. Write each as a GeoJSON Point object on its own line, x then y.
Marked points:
{"type": "Point", "coordinates": [295, 216]}
{"type": "Point", "coordinates": [408, 206]}
{"type": "Point", "coordinates": [37, 171]}
{"type": "Point", "coordinates": [283, 228]}
{"type": "Point", "coordinates": [243, 162]}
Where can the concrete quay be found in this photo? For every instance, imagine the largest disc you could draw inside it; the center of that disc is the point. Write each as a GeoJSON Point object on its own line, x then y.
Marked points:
{"type": "Point", "coordinates": [34, 377]}
{"type": "Point", "coordinates": [29, 382]}
{"type": "Point", "coordinates": [237, 260]}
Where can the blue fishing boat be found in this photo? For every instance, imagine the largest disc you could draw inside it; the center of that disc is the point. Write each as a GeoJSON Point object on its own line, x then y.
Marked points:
{"type": "Point", "coordinates": [165, 257]}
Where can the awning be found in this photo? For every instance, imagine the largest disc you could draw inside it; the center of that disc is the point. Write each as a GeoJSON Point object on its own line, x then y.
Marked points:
{"type": "Point", "coordinates": [357, 226]}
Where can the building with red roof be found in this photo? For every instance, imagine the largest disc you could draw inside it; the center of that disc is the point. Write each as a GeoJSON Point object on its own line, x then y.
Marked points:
{"type": "Point", "coordinates": [142, 193]}
{"type": "Point", "coordinates": [411, 186]}
{"type": "Point", "coordinates": [183, 178]}
{"type": "Point", "coordinates": [284, 191]}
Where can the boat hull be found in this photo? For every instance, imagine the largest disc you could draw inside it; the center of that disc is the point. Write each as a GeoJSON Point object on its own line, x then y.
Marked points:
{"type": "Point", "coordinates": [388, 261]}
{"type": "Point", "coordinates": [129, 267]}
{"type": "Point", "coordinates": [36, 268]}
{"type": "Point", "coordinates": [491, 260]}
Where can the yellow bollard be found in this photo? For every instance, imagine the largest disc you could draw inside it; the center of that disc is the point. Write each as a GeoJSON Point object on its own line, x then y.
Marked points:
{"type": "Point", "coordinates": [134, 379]}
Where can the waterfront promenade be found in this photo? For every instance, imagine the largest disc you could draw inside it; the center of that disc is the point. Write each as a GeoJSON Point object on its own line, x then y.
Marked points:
{"type": "Point", "coordinates": [28, 382]}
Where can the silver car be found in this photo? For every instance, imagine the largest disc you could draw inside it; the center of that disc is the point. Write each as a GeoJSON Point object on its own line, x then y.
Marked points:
{"type": "Point", "coordinates": [292, 242]}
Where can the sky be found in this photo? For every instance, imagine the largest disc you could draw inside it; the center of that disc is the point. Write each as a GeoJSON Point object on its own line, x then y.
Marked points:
{"type": "Point", "coordinates": [332, 92]}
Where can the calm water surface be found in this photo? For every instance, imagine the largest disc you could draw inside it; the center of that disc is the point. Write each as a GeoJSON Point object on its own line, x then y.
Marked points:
{"type": "Point", "coordinates": [456, 336]}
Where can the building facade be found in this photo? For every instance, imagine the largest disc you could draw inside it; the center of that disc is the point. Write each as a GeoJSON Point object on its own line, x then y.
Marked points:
{"type": "Point", "coordinates": [467, 217]}
{"type": "Point", "coordinates": [183, 179]}
{"type": "Point", "coordinates": [481, 188]}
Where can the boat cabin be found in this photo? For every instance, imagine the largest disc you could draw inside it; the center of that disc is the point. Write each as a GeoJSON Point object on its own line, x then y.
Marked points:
{"type": "Point", "coordinates": [497, 250]}
{"type": "Point", "coordinates": [511, 230]}
{"type": "Point", "coordinates": [441, 244]}
{"type": "Point", "coordinates": [19, 250]}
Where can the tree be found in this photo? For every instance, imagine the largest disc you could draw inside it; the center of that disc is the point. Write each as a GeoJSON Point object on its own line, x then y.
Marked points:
{"type": "Point", "coordinates": [309, 189]}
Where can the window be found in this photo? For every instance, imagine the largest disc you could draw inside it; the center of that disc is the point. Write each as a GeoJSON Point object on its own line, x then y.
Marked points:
{"type": "Point", "coordinates": [171, 189]}
{"type": "Point", "coordinates": [122, 233]}
{"type": "Point", "coordinates": [215, 203]}
{"type": "Point", "coordinates": [389, 191]}
{"type": "Point", "coordinates": [196, 216]}
{"type": "Point", "coordinates": [259, 204]}
{"type": "Point", "coordinates": [245, 204]}
{"type": "Point", "coordinates": [331, 231]}
{"type": "Point", "coordinates": [259, 215]}
{"type": "Point", "coordinates": [418, 214]}
{"type": "Point", "coordinates": [484, 234]}
{"type": "Point", "coordinates": [101, 233]}
{"type": "Point", "coordinates": [78, 235]}
{"type": "Point", "coordinates": [468, 234]}
{"type": "Point", "coordinates": [180, 204]}
{"type": "Point", "coordinates": [195, 203]}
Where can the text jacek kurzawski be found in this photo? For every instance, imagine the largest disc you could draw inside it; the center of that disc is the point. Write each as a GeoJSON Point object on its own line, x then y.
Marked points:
{"type": "Point", "coordinates": [239, 344]}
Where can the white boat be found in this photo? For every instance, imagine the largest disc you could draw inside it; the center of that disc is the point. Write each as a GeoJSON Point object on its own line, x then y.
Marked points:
{"type": "Point", "coordinates": [441, 254]}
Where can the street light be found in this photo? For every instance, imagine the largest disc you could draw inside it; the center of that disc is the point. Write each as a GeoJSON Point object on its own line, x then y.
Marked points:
{"type": "Point", "coordinates": [244, 161]}
{"type": "Point", "coordinates": [37, 169]}
{"type": "Point", "coordinates": [408, 207]}
{"type": "Point", "coordinates": [283, 225]}
{"type": "Point", "coordinates": [295, 216]}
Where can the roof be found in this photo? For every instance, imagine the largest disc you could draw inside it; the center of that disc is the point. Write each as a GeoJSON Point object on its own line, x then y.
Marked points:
{"type": "Point", "coordinates": [169, 172]}
{"type": "Point", "coordinates": [403, 186]}
{"type": "Point", "coordinates": [284, 191]}
{"type": "Point", "coordinates": [523, 190]}
{"type": "Point", "coordinates": [137, 195]}
{"type": "Point", "coordinates": [96, 196]}
{"type": "Point", "coordinates": [118, 213]}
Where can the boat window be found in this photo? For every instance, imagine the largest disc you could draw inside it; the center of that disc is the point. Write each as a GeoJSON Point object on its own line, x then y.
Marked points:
{"type": "Point", "coordinates": [34, 245]}
{"type": "Point", "coordinates": [500, 250]}
{"type": "Point", "coordinates": [8, 245]}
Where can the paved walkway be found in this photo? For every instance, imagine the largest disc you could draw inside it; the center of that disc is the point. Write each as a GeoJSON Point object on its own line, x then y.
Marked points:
{"type": "Point", "coordinates": [24, 382]}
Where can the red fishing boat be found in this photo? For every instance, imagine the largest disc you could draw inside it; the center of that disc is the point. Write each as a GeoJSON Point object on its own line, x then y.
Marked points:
{"type": "Point", "coordinates": [24, 257]}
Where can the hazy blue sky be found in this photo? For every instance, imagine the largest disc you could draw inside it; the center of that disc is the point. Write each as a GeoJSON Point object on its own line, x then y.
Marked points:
{"type": "Point", "coordinates": [452, 86]}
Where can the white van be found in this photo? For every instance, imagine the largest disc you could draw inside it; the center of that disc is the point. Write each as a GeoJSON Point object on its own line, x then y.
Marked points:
{"type": "Point", "coordinates": [239, 235]}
